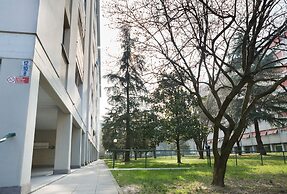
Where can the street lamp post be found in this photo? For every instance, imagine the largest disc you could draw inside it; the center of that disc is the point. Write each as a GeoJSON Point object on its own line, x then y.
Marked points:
{"type": "Point", "coordinates": [114, 153]}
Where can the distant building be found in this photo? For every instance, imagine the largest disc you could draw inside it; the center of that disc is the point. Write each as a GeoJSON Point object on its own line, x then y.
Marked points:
{"type": "Point", "coordinates": [50, 87]}
{"type": "Point", "coordinates": [273, 138]}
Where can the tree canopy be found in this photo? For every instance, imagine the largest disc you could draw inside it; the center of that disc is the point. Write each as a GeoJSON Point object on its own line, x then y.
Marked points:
{"type": "Point", "coordinates": [195, 39]}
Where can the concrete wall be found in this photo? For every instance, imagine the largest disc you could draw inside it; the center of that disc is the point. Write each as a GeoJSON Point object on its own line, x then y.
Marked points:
{"type": "Point", "coordinates": [19, 16]}
{"type": "Point", "coordinates": [50, 32]}
{"type": "Point", "coordinates": [44, 156]}
{"type": "Point", "coordinates": [18, 114]}
{"type": "Point", "coordinates": [17, 27]}
{"type": "Point", "coordinates": [33, 30]}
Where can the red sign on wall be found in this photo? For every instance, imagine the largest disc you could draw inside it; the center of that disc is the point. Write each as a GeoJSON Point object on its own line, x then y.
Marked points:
{"type": "Point", "coordinates": [22, 80]}
{"type": "Point", "coordinates": [18, 80]}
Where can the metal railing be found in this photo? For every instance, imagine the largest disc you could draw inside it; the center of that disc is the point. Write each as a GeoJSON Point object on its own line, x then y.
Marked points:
{"type": "Point", "coordinates": [148, 154]}
{"type": "Point", "coordinates": [9, 135]}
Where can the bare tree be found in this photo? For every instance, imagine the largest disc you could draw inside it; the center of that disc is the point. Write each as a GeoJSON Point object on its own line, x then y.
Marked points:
{"type": "Point", "coordinates": [195, 38]}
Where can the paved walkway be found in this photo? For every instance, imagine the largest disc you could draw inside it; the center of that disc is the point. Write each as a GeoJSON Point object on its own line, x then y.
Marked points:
{"type": "Point", "coordinates": [94, 178]}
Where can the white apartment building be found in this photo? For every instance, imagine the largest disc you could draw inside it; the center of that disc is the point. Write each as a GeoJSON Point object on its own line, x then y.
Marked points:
{"type": "Point", "coordinates": [50, 88]}
{"type": "Point", "coordinates": [274, 138]}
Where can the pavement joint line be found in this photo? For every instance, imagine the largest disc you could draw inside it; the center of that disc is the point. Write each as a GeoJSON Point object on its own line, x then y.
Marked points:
{"type": "Point", "coordinates": [75, 190]}
{"type": "Point", "coordinates": [49, 183]}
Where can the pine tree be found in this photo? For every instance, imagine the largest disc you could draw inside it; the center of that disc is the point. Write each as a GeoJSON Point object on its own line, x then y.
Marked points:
{"type": "Point", "coordinates": [128, 85]}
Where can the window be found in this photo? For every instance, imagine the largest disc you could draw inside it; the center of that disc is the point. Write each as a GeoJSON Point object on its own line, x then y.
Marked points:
{"type": "Point", "coordinates": [81, 31]}
{"type": "Point", "coordinates": [66, 37]}
{"type": "Point", "coordinates": [78, 81]}
{"type": "Point", "coordinates": [92, 122]}
{"type": "Point", "coordinates": [85, 5]}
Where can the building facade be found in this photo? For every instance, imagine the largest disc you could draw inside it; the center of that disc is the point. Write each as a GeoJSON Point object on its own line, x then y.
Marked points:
{"type": "Point", "coordinates": [50, 88]}
{"type": "Point", "coordinates": [273, 138]}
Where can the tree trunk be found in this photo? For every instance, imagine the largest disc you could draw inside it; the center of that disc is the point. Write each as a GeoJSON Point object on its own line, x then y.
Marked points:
{"type": "Point", "coordinates": [136, 155]}
{"type": "Point", "coordinates": [201, 155]}
{"type": "Point", "coordinates": [178, 151]}
{"type": "Point", "coordinates": [199, 148]}
{"type": "Point", "coordinates": [219, 169]}
{"type": "Point", "coordinates": [239, 150]}
{"type": "Point", "coordinates": [128, 131]}
{"type": "Point", "coordinates": [154, 154]}
{"type": "Point", "coordinates": [127, 156]}
{"type": "Point", "coordinates": [220, 159]}
{"type": "Point", "coordinates": [260, 147]}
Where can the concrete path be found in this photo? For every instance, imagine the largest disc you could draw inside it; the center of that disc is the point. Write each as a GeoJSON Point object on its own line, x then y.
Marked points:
{"type": "Point", "coordinates": [94, 178]}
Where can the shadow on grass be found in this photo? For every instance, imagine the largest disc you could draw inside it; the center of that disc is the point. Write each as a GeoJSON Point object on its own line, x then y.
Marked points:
{"type": "Point", "coordinates": [159, 181]}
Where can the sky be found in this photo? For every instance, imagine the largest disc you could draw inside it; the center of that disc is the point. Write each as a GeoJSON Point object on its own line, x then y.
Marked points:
{"type": "Point", "coordinates": [109, 46]}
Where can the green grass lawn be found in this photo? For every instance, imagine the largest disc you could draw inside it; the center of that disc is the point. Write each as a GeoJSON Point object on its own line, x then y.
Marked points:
{"type": "Point", "coordinates": [249, 176]}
